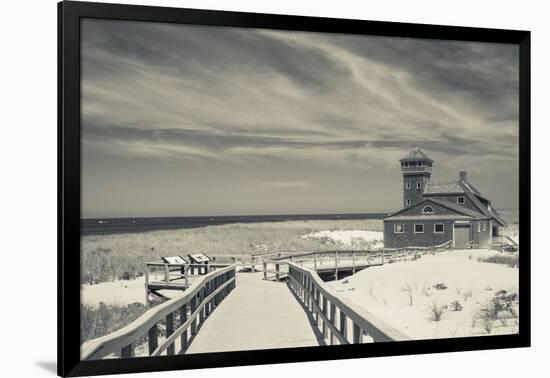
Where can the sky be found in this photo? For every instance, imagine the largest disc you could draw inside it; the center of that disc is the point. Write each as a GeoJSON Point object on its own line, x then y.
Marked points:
{"type": "Point", "coordinates": [181, 120]}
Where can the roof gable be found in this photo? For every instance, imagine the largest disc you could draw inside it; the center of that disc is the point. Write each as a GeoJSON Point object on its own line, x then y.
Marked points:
{"type": "Point", "coordinates": [449, 206]}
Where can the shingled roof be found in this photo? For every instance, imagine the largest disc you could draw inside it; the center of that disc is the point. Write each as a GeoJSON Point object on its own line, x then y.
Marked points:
{"type": "Point", "coordinates": [434, 187]}
{"type": "Point", "coordinates": [416, 155]}
{"type": "Point", "coordinates": [474, 195]}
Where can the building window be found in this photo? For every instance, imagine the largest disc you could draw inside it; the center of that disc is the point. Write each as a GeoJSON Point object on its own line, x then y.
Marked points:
{"type": "Point", "coordinates": [478, 226]}
{"type": "Point", "coordinates": [418, 228]}
{"type": "Point", "coordinates": [407, 202]}
{"type": "Point", "coordinates": [408, 185]}
{"type": "Point", "coordinates": [427, 210]}
{"type": "Point", "coordinates": [406, 164]}
{"type": "Point", "coordinates": [419, 164]}
{"type": "Point", "coordinates": [398, 228]}
{"type": "Point", "coordinates": [484, 226]}
{"type": "Point", "coordinates": [418, 185]}
{"type": "Point", "coordinates": [460, 200]}
{"type": "Point", "coordinates": [439, 228]}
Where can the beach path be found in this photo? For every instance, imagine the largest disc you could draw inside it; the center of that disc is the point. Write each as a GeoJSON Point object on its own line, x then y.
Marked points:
{"type": "Point", "coordinates": [258, 314]}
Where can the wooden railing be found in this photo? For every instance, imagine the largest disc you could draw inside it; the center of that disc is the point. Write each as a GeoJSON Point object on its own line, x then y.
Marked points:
{"type": "Point", "coordinates": [339, 319]}
{"type": "Point", "coordinates": [189, 309]}
{"type": "Point", "coordinates": [274, 267]}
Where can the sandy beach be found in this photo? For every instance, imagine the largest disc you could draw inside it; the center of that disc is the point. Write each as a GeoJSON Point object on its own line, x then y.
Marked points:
{"type": "Point", "coordinates": [388, 291]}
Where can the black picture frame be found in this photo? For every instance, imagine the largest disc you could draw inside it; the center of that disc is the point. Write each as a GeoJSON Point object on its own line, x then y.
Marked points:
{"type": "Point", "coordinates": [69, 16]}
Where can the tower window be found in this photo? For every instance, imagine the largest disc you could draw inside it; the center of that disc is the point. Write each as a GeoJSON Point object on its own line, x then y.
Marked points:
{"type": "Point", "coordinates": [427, 210]}
{"type": "Point", "coordinates": [460, 200]}
{"type": "Point", "coordinates": [419, 228]}
{"type": "Point", "coordinates": [408, 185]}
{"type": "Point", "coordinates": [419, 164]}
{"type": "Point", "coordinates": [407, 202]}
{"type": "Point", "coordinates": [484, 226]}
{"type": "Point", "coordinates": [478, 226]}
{"type": "Point", "coordinates": [418, 185]}
{"type": "Point", "coordinates": [439, 228]}
{"type": "Point", "coordinates": [406, 164]}
{"type": "Point", "coordinates": [398, 228]}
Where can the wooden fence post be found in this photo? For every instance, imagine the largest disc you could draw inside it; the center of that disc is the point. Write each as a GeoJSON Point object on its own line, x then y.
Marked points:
{"type": "Point", "coordinates": [332, 318]}
{"type": "Point", "coordinates": [343, 325]}
{"type": "Point", "coordinates": [277, 272]}
{"type": "Point", "coordinates": [170, 330]}
{"type": "Point", "coordinates": [147, 285]}
{"type": "Point", "coordinates": [325, 312]}
{"type": "Point", "coordinates": [353, 261]}
{"type": "Point", "coordinates": [357, 334]}
{"type": "Point", "coordinates": [183, 319]}
{"type": "Point", "coordinates": [127, 351]}
{"type": "Point", "coordinates": [336, 265]}
{"type": "Point", "coordinates": [265, 270]}
{"type": "Point", "coordinates": [152, 338]}
{"type": "Point", "coordinates": [315, 260]}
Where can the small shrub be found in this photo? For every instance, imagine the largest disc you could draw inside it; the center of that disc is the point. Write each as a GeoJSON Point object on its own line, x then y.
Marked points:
{"type": "Point", "coordinates": [436, 311]}
{"type": "Point", "coordinates": [456, 306]}
{"type": "Point", "coordinates": [440, 286]}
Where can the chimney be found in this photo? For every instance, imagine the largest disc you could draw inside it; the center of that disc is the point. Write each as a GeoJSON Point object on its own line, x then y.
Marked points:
{"type": "Point", "coordinates": [462, 176]}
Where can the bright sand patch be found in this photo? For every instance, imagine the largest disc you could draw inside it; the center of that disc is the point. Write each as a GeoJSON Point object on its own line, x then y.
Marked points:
{"type": "Point", "coordinates": [382, 291]}
{"type": "Point", "coordinates": [120, 292]}
{"type": "Point", "coordinates": [349, 238]}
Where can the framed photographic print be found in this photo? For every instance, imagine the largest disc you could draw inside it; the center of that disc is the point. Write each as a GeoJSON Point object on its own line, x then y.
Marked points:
{"type": "Point", "coordinates": [240, 188]}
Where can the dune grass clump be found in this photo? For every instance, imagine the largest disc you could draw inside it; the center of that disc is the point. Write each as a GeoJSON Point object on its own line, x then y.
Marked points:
{"type": "Point", "coordinates": [503, 259]}
{"type": "Point", "coordinates": [106, 318]}
{"type": "Point", "coordinates": [436, 311]}
{"type": "Point", "coordinates": [500, 308]}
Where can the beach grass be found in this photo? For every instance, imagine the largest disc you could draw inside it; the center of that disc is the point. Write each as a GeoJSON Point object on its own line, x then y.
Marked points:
{"type": "Point", "coordinates": [120, 256]}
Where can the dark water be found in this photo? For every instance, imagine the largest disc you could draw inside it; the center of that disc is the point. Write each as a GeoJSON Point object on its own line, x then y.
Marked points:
{"type": "Point", "coordinates": [104, 226]}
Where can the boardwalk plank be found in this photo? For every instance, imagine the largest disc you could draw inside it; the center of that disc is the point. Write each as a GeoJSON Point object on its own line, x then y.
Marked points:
{"type": "Point", "coordinates": [258, 314]}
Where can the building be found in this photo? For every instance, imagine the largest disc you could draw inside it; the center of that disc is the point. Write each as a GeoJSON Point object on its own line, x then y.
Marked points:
{"type": "Point", "coordinates": [437, 212]}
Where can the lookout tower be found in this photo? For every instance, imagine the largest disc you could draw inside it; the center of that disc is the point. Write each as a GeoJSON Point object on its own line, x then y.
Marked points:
{"type": "Point", "coordinates": [417, 170]}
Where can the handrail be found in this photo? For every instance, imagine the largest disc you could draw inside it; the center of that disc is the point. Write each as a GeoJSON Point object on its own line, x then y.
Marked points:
{"type": "Point", "coordinates": [322, 303]}
{"type": "Point", "coordinates": [199, 299]}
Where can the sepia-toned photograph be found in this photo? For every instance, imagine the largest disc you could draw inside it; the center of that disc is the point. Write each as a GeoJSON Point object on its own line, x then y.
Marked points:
{"type": "Point", "coordinates": [248, 189]}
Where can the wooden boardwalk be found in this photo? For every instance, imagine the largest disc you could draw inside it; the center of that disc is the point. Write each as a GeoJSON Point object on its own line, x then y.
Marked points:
{"type": "Point", "coordinates": [257, 315]}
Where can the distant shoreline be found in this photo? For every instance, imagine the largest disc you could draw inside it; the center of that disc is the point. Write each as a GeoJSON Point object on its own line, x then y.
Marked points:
{"type": "Point", "coordinates": [109, 226]}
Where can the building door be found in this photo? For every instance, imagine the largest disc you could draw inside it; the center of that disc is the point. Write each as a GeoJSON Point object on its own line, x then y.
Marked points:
{"type": "Point", "coordinates": [462, 235]}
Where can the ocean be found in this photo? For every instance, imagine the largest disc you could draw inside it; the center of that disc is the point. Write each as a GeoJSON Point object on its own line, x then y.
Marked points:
{"type": "Point", "coordinates": [105, 226]}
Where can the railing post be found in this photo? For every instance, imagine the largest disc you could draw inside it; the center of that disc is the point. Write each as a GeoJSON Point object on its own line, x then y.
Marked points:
{"type": "Point", "coordinates": [265, 270]}
{"type": "Point", "coordinates": [343, 325]}
{"type": "Point", "coordinates": [146, 284]}
{"type": "Point", "coordinates": [194, 321]}
{"type": "Point", "coordinates": [183, 319]}
{"type": "Point", "coordinates": [277, 272]}
{"type": "Point", "coordinates": [170, 330]}
{"type": "Point", "coordinates": [314, 307]}
{"type": "Point", "coordinates": [336, 265]}
{"type": "Point", "coordinates": [357, 334]}
{"type": "Point", "coordinates": [315, 260]}
{"type": "Point", "coordinates": [166, 274]}
{"type": "Point", "coordinates": [325, 312]}
{"type": "Point", "coordinates": [186, 276]}
{"type": "Point", "coordinates": [353, 261]}
{"type": "Point", "coordinates": [152, 338]}
{"type": "Point", "coordinates": [332, 318]}
{"type": "Point", "coordinates": [127, 351]}
{"type": "Point", "coordinates": [201, 311]}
